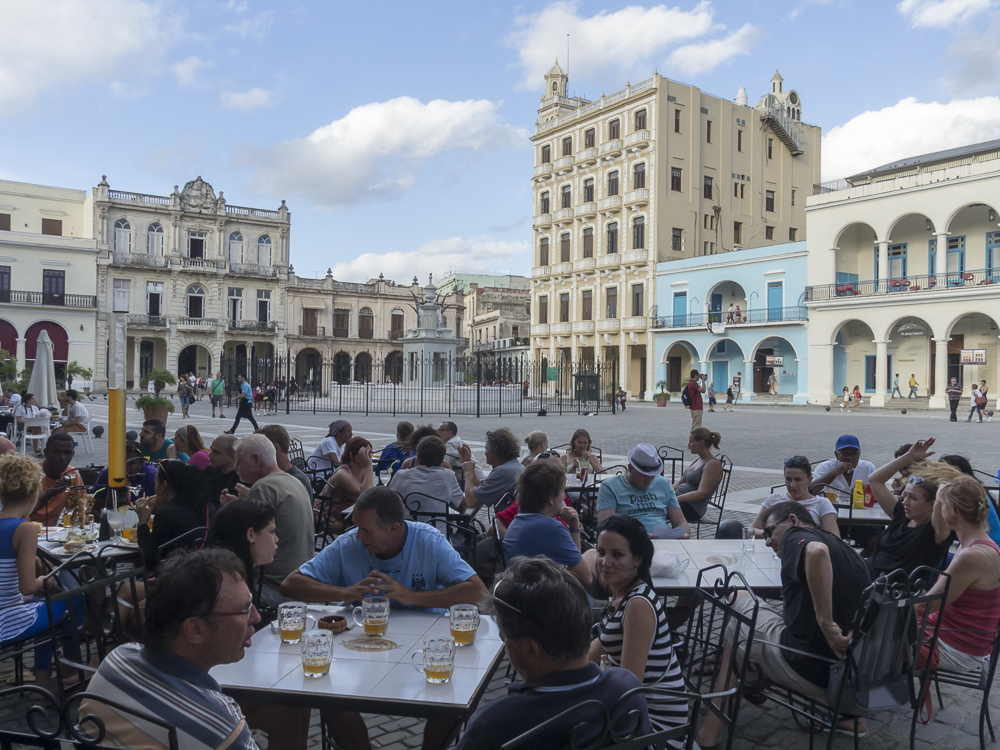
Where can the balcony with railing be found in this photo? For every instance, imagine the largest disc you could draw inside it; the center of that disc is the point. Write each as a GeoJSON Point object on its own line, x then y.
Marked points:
{"type": "Point", "coordinates": [587, 156]}
{"type": "Point", "coordinates": [612, 147]}
{"type": "Point", "coordinates": [564, 163]}
{"type": "Point", "coordinates": [583, 326]}
{"type": "Point", "coordinates": [539, 271]}
{"type": "Point", "coordinates": [983, 279]}
{"type": "Point", "coordinates": [312, 330]}
{"type": "Point", "coordinates": [15, 297]}
{"type": "Point", "coordinates": [541, 220]}
{"type": "Point", "coordinates": [562, 269]}
{"type": "Point", "coordinates": [396, 333]}
{"type": "Point", "coordinates": [563, 214]}
{"type": "Point", "coordinates": [202, 263]}
{"type": "Point", "coordinates": [586, 264]}
{"type": "Point", "coordinates": [258, 326]}
{"type": "Point", "coordinates": [139, 259]}
{"type": "Point", "coordinates": [586, 210]}
{"type": "Point", "coordinates": [150, 200]}
{"type": "Point", "coordinates": [638, 197]}
{"type": "Point", "coordinates": [635, 257]}
{"type": "Point", "coordinates": [260, 213]}
{"type": "Point", "coordinates": [755, 316]}
{"type": "Point", "coordinates": [543, 171]}
{"type": "Point", "coordinates": [196, 323]}
{"type": "Point", "coordinates": [147, 321]}
{"type": "Point", "coordinates": [251, 269]}
{"type": "Point", "coordinates": [639, 139]}
{"type": "Point", "coordinates": [613, 203]}
{"type": "Point", "coordinates": [339, 333]}
{"type": "Point", "coordinates": [562, 328]}
{"type": "Point", "coordinates": [610, 259]}
{"type": "Point", "coordinates": [540, 329]}
{"type": "Point", "coordinates": [609, 324]}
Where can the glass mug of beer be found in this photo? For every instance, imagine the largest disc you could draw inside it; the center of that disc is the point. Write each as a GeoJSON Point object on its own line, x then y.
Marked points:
{"type": "Point", "coordinates": [437, 659]}
{"type": "Point", "coordinates": [292, 621]}
{"type": "Point", "coordinates": [317, 653]}
{"type": "Point", "coordinates": [464, 622]}
{"type": "Point", "coordinates": [374, 611]}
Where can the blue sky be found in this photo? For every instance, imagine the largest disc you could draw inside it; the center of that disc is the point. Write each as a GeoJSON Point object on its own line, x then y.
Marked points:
{"type": "Point", "coordinates": [399, 136]}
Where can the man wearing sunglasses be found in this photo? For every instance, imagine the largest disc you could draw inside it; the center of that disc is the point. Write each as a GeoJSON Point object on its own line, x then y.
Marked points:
{"type": "Point", "coordinates": [822, 580]}
{"type": "Point", "coordinates": [840, 473]}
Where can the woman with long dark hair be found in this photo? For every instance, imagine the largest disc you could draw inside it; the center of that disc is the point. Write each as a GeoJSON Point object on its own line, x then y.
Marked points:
{"type": "Point", "coordinates": [247, 528]}
{"type": "Point", "coordinates": [181, 504]}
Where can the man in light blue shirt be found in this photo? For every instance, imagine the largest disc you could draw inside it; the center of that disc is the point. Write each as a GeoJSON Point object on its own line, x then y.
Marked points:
{"type": "Point", "coordinates": [245, 406]}
{"type": "Point", "coordinates": [385, 555]}
{"type": "Point", "coordinates": [642, 492]}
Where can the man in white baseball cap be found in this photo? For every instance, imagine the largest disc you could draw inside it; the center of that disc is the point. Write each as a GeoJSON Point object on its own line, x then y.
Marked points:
{"type": "Point", "coordinates": [642, 492]}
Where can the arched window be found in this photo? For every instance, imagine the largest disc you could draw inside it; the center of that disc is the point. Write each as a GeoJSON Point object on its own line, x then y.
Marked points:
{"type": "Point", "coordinates": [639, 177]}
{"type": "Point", "coordinates": [612, 238]}
{"type": "Point", "coordinates": [638, 233]}
{"type": "Point", "coordinates": [264, 251]}
{"type": "Point", "coordinates": [154, 241]}
{"type": "Point", "coordinates": [123, 236]}
{"type": "Point", "coordinates": [366, 323]}
{"type": "Point", "coordinates": [235, 247]}
{"type": "Point", "coordinates": [396, 324]}
{"type": "Point", "coordinates": [196, 302]}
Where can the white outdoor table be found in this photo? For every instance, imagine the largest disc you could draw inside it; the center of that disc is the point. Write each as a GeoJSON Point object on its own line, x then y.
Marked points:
{"type": "Point", "coordinates": [53, 549]}
{"type": "Point", "coordinates": [873, 516]}
{"type": "Point", "coordinates": [760, 568]}
{"type": "Point", "coordinates": [381, 683]}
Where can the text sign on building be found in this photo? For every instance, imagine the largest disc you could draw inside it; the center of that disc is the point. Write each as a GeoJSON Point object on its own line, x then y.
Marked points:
{"type": "Point", "coordinates": [774, 361]}
{"type": "Point", "coordinates": [552, 374]}
{"type": "Point", "coordinates": [972, 356]}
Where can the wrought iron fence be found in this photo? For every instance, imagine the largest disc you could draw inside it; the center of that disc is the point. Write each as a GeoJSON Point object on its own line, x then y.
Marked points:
{"type": "Point", "coordinates": [480, 385]}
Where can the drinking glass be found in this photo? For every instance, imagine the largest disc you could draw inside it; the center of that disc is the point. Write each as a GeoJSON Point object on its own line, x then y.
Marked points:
{"type": "Point", "coordinates": [749, 538]}
{"type": "Point", "coordinates": [464, 622]}
{"type": "Point", "coordinates": [292, 621]}
{"type": "Point", "coordinates": [374, 613]}
{"type": "Point", "coordinates": [116, 519]}
{"type": "Point", "coordinates": [437, 659]}
{"type": "Point", "coordinates": [317, 652]}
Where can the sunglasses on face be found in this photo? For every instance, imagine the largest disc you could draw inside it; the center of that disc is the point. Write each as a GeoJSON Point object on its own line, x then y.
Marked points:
{"type": "Point", "coordinates": [915, 480]}
{"type": "Point", "coordinates": [769, 530]}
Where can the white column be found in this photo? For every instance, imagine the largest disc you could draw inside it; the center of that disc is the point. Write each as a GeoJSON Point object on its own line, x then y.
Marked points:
{"type": "Point", "coordinates": [833, 264]}
{"type": "Point", "coordinates": [801, 384]}
{"type": "Point", "coordinates": [821, 388]}
{"type": "Point", "coordinates": [136, 342]}
{"type": "Point", "coordinates": [941, 266]}
{"type": "Point", "coordinates": [881, 367]}
{"type": "Point", "coordinates": [938, 400]}
{"type": "Point", "coordinates": [883, 265]}
{"type": "Point", "coordinates": [746, 383]}
{"type": "Point", "coordinates": [20, 354]}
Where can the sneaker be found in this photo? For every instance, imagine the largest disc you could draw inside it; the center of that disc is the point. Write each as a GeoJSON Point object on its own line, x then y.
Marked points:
{"type": "Point", "coordinates": [227, 432]}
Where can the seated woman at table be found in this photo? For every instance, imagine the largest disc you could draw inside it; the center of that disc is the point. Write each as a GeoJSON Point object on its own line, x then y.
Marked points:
{"type": "Point", "coordinates": [969, 621]}
{"type": "Point", "coordinates": [181, 505]}
{"type": "Point", "coordinates": [28, 409]}
{"type": "Point", "coordinates": [992, 520]}
{"type": "Point", "coordinates": [506, 516]}
{"type": "Point", "coordinates": [916, 534]}
{"type": "Point", "coordinates": [352, 477]}
{"type": "Point", "coordinates": [22, 613]}
{"type": "Point", "coordinates": [703, 475]}
{"type": "Point", "coordinates": [633, 630]}
{"type": "Point", "coordinates": [247, 528]}
{"type": "Point", "coordinates": [328, 453]}
{"type": "Point", "coordinates": [535, 530]}
{"type": "Point", "coordinates": [798, 475]}
{"type": "Point", "coordinates": [141, 476]}
{"type": "Point", "coordinates": [413, 441]}
{"type": "Point", "coordinates": [189, 447]}
{"type": "Point", "coordinates": [392, 455]}
{"type": "Point", "coordinates": [579, 450]}
{"type": "Point", "coordinates": [537, 442]}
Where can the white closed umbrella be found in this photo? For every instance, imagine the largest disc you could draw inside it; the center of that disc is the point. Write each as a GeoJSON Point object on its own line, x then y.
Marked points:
{"type": "Point", "coordinates": [43, 373]}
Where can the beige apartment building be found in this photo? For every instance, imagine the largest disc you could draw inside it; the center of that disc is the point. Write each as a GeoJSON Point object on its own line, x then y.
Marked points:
{"type": "Point", "coordinates": [655, 172]}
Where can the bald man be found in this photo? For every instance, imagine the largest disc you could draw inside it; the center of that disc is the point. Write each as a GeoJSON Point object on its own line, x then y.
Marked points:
{"type": "Point", "coordinates": [6, 446]}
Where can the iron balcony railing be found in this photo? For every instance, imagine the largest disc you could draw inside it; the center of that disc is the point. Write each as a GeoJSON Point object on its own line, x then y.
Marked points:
{"type": "Point", "coordinates": [312, 330]}
{"type": "Point", "coordinates": [153, 321]}
{"type": "Point", "coordinates": [16, 297]}
{"type": "Point", "coordinates": [250, 325]}
{"type": "Point", "coordinates": [754, 316]}
{"type": "Point", "coordinates": [904, 285]}
{"type": "Point", "coordinates": [340, 333]}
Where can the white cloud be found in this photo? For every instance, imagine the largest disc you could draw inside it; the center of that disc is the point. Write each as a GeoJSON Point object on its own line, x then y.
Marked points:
{"type": "Point", "coordinates": [59, 43]}
{"type": "Point", "coordinates": [619, 40]}
{"type": "Point", "coordinates": [126, 90]}
{"type": "Point", "coordinates": [941, 13]}
{"type": "Point", "coordinates": [703, 56]}
{"type": "Point", "coordinates": [188, 72]}
{"type": "Point", "coordinates": [375, 151]}
{"type": "Point", "coordinates": [456, 254]}
{"type": "Point", "coordinates": [247, 101]}
{"type": "Point", "coordinates": [909, 128]}
{"type": "Point", "coordinates": [254, 26]}
{"type": "Point", "coordinates": [800, 8]}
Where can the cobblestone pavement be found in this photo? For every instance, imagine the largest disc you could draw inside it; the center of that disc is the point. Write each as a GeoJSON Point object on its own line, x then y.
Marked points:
{"type": "Point", "coordinates": [756, 438]}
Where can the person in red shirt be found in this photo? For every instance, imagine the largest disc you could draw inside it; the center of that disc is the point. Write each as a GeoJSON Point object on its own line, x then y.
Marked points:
{"type": "Point", "coordinates": [696, 387]}
{"type": "Point", "coordinates": [59, 475]}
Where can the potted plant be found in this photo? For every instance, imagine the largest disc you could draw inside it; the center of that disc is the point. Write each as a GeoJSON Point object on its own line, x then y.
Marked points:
{"type": "Point", "coordinates": [75, 370]}
{"type": "Point", "coordinates": [153, 406]}
{"type": "Point", "coordinates": [160, 378]}
{"type": "Point", "coordinates": [662, 395]}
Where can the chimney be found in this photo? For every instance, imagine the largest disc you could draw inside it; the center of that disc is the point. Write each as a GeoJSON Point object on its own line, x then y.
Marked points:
{"type": "Point", "coordinates": [741, 96]}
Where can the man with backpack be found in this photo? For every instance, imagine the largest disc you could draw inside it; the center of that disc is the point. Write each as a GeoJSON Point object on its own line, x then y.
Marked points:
{"type": "Point", "coordinates": [691, 397]}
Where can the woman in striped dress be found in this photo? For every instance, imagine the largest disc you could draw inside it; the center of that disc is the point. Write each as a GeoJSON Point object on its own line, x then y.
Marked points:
{"type": "Point", "coordinates": [633, 633]}
{"type": "Point", "coordinates": [21, 616]}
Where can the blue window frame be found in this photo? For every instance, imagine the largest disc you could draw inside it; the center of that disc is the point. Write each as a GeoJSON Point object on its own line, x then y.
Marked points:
{"type": "Point", "coordinates": [775, 300]}
{"type": "Point", "coordinates": [955, 263]}
{"type": "Point", "coordinates": [931, 257]}
{"type": "Point", "coordinates": [897, 267]}
{"type": "Point", "coordinates": [680, 308]}
{"type": "Point", "coordinates": [720, 348]}
{"type": "Point", "coordinates": [993, 257]}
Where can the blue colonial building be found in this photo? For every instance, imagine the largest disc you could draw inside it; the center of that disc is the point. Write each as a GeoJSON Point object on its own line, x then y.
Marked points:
{"type": "Point", "coordinates": [738, 316]}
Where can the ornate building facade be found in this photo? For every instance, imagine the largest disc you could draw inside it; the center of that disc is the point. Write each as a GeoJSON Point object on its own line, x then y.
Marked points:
{"type": "Point", "coordinates": [202, 279]}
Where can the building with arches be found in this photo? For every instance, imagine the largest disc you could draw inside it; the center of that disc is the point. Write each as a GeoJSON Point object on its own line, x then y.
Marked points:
{"type": "Point", "coordinates": [48, 274]}
{"type": "Point", "coordinates": [202, 279]}
{"type": "Point", "coordinates": [739, 317]}
{"type": "Point", "coordinates": [657, 172]}
{"type": "Point", "coordinates": [904, 277]}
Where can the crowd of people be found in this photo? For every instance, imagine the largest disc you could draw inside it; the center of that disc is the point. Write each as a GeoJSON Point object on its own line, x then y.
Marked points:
{"type": "Point", "coordinates": [236, 523]}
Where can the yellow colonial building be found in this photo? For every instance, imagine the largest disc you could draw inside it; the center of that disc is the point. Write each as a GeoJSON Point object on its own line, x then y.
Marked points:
{"type": "Point", "coordinates": [655, 172]}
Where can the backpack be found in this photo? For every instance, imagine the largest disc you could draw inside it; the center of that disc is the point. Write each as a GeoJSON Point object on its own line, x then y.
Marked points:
{"type": "Point", "coordinates": [686, 395]}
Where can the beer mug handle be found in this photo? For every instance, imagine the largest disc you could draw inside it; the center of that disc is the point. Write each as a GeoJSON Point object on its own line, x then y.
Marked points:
{"type": "Point", "coordinates": [357, 612]}
{"type": "Point", "coordinates": [310, 619]}
{"type": "Point", "coordinates": [413, 660]}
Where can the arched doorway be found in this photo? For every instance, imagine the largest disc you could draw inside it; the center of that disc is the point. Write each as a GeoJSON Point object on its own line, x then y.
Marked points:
{"type": "Point", "coordinates": [195, 358]}
{"type": "Point", "coordinates": [721, 296]}
{"type": "Point", "coordinates": [856, 262]}
{"type": "Point", "coordinates": [725, 362]}
{"type": "Point", "coordinates": [342, 368]}
{"type": "Point", "coordinates": [680, 357]}
{"type": "Point", "coordinates": [911, 353]}
{"type": "Point", "coordinates": [308, 369]}
{"type": "Point", "coordinates": [60, 345]}
{"type": "Point", "coordinates": [853, 356]}
{"type": "Point", "coordinates": [8, 338]}
{"type": "Point", "coordinates": [975, 332]}
{"type": "Point", "coordinates": [363, 368]}
{"type": "Point", "coordinates": [776, 356]}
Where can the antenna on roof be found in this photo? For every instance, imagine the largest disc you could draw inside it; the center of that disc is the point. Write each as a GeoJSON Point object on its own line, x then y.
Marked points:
{"type": "Point", "coordinates": [567, 57]}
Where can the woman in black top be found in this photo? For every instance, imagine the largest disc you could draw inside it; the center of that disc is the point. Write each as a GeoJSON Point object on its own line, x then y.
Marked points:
{"type": "Point", "coordinates": [914, 537]}
{"type": "Point", "coordinates": [247, 528]}
{"type": "Point", "coordinates": [181, 505]}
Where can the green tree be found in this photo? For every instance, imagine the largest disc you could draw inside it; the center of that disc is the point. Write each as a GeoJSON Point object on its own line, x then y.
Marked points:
{"type": "Point", "coordinates": [160, 378]}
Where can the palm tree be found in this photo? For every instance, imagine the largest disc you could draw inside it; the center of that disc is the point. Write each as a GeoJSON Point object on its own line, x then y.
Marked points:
{"type": "Point", "coordinates": [160, 378]}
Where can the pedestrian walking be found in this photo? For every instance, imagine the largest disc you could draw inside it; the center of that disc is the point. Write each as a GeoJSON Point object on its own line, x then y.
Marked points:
{"type": "Point", "coordinates": [729, 398]}
{"type": "Point", "coordinates": [978, 401]}
{"type": "Point", "coordinates": [913, 386]}
{"type": "Point", "coordinates": [622, 396]}
{"type": "Point", "coordinates": [184, 391]}
{"type": "Point", "coordinates": [218, 390]}
{"type": "Point", "coordinates": [772, 383]}
{"type": "Point", "coordinates": [857, 398]}
{"type": "Point", "coordinates": [711, 396]}
{"type": "Point", "coordinates": [985, 390]}
{"type": "Point", "coordinates": [729, 315]}
{"type": "Point", "coordinates": [954, 392]}
{"type": "Point", "coordinates": [245, 406]}
{"type": "Point", "coordinates": [895, 387]}
{"type": "Point", "coordinates": [736, 315]}
{"type": "Point", "coordinates": [846, 404]}
{"type": "Point", "coordinates": [691, 397]}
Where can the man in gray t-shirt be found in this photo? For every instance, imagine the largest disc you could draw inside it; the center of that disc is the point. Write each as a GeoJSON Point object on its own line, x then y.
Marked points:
{"type": "Point", "coordinates": [502, 453]}
{"type": "Point", "coordinates": [435, 485]}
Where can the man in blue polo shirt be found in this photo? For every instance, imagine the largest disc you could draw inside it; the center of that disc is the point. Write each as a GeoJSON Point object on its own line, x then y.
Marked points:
{"type": "Point", "coordinates": [385, 555]}
{"type": "Point", "coordinates": [245, 406]}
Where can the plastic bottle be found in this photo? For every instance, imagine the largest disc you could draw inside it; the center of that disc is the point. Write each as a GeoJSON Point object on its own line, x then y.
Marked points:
{"type": "Point", "coordinates": [869, 497]}
{"type": "Point", "coordinates": [859, 494]}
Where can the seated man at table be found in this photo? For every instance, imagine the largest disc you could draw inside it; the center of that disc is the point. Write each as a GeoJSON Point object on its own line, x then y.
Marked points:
{"type": "Point", "coordinates": [642, 492]}
{"type": "Point", "coordinates": [141, 475]}
{"type": "Point", "coordinates": [199, 614]}
{"type": "Point", "coordinates": [59, 475]}
{"type": "Point", "coordinates": [502, 453]}
{"type": "Point", "coordinates": [281, 441]}
{"type": "Point", "coordinates": [842, 471]}
{"type": "Point", "coordinates": [822, 580]}
{"type": "Point", "coordinates": [221, 473]}
{"type": "Point", "coordinates": [385, 555]}
{"type": "Point", "coordinates": [76, 413]}
{"type": "Point", "coordinates": [544, 618]}
{"type": "Point", "coordinates": [153, 439]}
{"type": "Point", "coordinates": [435, 484]}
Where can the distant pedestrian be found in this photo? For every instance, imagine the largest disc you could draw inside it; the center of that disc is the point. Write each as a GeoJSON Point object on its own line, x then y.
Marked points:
{"type": "Point", "coordinates": [736, 315]}
{"type": "Point", "coordinates": [730, 312]}
{"type": "Point", "coordinates": [218, 390]}
{"type": "Point", "coordinates": [984, 389]}
{"type": "Point", "coordinates": [857, 398]}
{"type": "Point", "coordinates": [245, 406]}
{"type": "Point", "coordinates": [895, 387]}
{"type": "Point", "coordinates": [846, 395]}
{"type": "Point", "coordinates": [693, 391]}
{"type": "Point", "coordinates": [978, 401]}
{"type": "Point", "coordinates": [772, 383]}
{"type": "Point", "coordinates": [729, 398]}
{"type": "Point", "coordinates": [711, 396]}
{"type": "Point", "coordinates": [913, 386]}
{"type": "Point", "coordinates": [622, 397]}
{"type": "Point", "coordinates": [954, 392]}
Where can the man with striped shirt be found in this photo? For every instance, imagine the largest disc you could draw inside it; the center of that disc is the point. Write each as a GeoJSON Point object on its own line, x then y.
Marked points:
{"type": "Point", "coordinates": [199, 614]}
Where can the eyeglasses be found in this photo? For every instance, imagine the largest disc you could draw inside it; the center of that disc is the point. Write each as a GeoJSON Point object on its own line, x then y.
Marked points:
{"type": "Point", "coordinates": [243, 612]}
{"type": "Point", "coordinates": [769, 530]}
{"type": "Point", "coordinates": [497, 598]}
{"type": "Point", "coordinates": [914, 480]}
{"type": "Point", "coordinates": [798, 462]}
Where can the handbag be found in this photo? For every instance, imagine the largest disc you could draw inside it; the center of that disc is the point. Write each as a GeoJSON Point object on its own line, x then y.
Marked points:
{"type": "Point", "coordinates": [981, 401]}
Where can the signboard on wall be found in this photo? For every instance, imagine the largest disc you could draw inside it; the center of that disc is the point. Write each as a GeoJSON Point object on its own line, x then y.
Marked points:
{"type": "Point", "coordinates": [736, 383]}
{"type": "Point", "coordinates": [972, 356]}
{"type": "Point", "coordinates": [778, 361]}
{"type": "Point", "coordinates": [551, 374]}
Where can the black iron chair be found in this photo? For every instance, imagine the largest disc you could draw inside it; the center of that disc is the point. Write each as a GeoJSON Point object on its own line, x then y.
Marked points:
{"type": "Point", "coordinates": [564, 448]}
{"type": "Point", "coordinates": [296, 454]}
{"type": "Point", "coordinates": [880, 669]}
{"type": "Point", "coordinates": [673, 456]}
{"type": "Point", "coordinates": [717, 501]}
{"type": "Point", "coordinates": [464, 532]}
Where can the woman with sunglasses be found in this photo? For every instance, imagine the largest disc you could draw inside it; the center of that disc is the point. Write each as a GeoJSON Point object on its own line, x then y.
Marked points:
{"type": "Point", "coordinates": [916, 534]}
{"type": "Point", "coordinates": [798, 475]}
